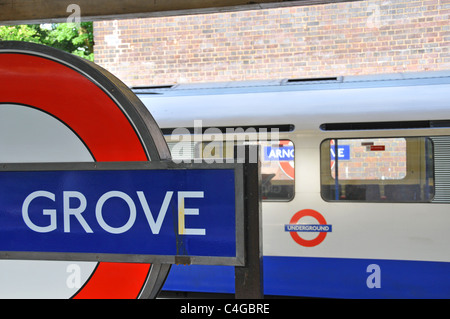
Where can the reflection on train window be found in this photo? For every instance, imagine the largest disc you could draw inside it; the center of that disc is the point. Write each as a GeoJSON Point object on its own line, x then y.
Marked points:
{"type": "Point", "coordinates": [377, 170]}
{"type": "Point", "coordinates": [277, 170]}
{"type": "Point", "coordinates": [277, 163]}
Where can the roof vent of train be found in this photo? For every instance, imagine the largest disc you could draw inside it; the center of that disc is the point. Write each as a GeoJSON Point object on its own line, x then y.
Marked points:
{"type": "Point", "coordinates": [314, 80]}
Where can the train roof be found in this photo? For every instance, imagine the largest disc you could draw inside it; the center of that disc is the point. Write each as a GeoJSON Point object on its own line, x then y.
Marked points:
{"type": "Point", "coordinates": [298, 84]}
{"type": "Point", "coordinates": [306, 104]}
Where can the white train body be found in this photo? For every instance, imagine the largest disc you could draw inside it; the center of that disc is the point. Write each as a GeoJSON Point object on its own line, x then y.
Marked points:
{"type": "Point", "coordinates": [374, 247]}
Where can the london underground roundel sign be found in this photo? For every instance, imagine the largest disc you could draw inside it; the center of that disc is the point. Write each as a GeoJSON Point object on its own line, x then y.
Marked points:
{"type": "Point", "coordinates": [56, 107]}
{"type": "Point", "coordinates": [295, 227]}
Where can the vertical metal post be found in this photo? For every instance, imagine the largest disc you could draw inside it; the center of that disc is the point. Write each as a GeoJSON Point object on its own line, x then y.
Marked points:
{"type": "Point", "coordinates": [249, 278]}
{"type": "Point", "coordinates": [336, 170]}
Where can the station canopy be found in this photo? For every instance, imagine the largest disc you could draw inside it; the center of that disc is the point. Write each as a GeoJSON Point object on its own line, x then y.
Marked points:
{"type": "Point", "coordinates": [39, 11]}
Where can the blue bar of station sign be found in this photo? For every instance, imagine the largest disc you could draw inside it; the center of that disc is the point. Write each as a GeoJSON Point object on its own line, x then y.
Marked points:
{"type": "Point", "coordinates": [166, 212]}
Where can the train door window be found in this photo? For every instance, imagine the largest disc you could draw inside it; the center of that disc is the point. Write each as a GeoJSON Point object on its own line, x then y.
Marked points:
{"type": "Point", "coordinates": [277, 163]}
{"type": "Point", "coordinates": [377, 170]}
{"type": "Point", "coordinates": [277, 170]}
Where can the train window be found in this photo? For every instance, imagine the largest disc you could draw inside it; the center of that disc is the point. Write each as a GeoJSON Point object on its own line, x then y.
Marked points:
{"type": "Point", "coordinates": [375, 159]}
{"type": "Point", "coordinates": [377, 170]}
{"type": "Point", "coordinates": [277, 163]}
{"type": "Point", "coordinates": [277, 170]}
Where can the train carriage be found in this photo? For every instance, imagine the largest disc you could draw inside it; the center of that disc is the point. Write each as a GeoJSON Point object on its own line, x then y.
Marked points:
{"type": "Point", "coordinates": [355, 179]}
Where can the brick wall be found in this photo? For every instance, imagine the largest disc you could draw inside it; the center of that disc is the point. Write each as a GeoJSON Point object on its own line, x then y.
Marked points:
{"type": "Point", "coordinates": [364, 163]}
{"type": "Point", "coordinates": [362, 37]}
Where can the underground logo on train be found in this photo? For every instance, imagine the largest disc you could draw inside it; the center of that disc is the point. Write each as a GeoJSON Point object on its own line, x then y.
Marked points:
{"type": "Point", "coordinates": [295, 227]}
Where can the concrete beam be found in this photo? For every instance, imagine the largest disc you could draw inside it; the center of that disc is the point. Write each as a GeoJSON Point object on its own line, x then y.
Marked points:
{"type": "Point", "coordinates": [41, 11]}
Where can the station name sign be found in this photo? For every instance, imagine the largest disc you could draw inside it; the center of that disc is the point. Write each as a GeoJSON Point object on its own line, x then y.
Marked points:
{"type": "Point", "coordinates": [130, 211]}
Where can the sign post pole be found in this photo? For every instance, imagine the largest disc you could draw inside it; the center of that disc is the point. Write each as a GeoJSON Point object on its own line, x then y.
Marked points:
{"type": "Point", "coordinates": [249, 278]}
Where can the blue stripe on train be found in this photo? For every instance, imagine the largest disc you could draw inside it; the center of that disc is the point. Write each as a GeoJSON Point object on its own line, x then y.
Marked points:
{"type": "Point", "coordinates": [325, 277]}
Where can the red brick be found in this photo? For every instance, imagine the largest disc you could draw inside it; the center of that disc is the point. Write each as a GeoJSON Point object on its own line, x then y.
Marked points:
{"type": "Point", "coordinates": [361, 37]}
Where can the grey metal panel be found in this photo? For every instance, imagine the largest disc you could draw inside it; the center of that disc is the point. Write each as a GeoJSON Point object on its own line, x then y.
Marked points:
{"type": "Point", "coordinates": [441, 169]}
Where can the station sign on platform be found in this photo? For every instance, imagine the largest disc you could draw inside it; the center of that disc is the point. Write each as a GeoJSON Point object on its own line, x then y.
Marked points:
{"type": "Point", "coordinates": [131, 212]}
{"type": "Point", "coordinates": [86, 175]}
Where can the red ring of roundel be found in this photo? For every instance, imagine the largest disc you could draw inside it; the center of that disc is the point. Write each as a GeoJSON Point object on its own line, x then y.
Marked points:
{"type": "Point", "coordinates": [99, 122]}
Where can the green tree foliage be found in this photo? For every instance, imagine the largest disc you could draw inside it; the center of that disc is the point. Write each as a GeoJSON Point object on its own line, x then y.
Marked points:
{"type": "Point", "coordinates": [77, 39]}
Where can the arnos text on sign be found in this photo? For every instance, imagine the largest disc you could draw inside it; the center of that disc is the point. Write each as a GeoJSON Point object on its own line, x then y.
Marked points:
{"type": "Point", "coordinates": [156, 214]}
